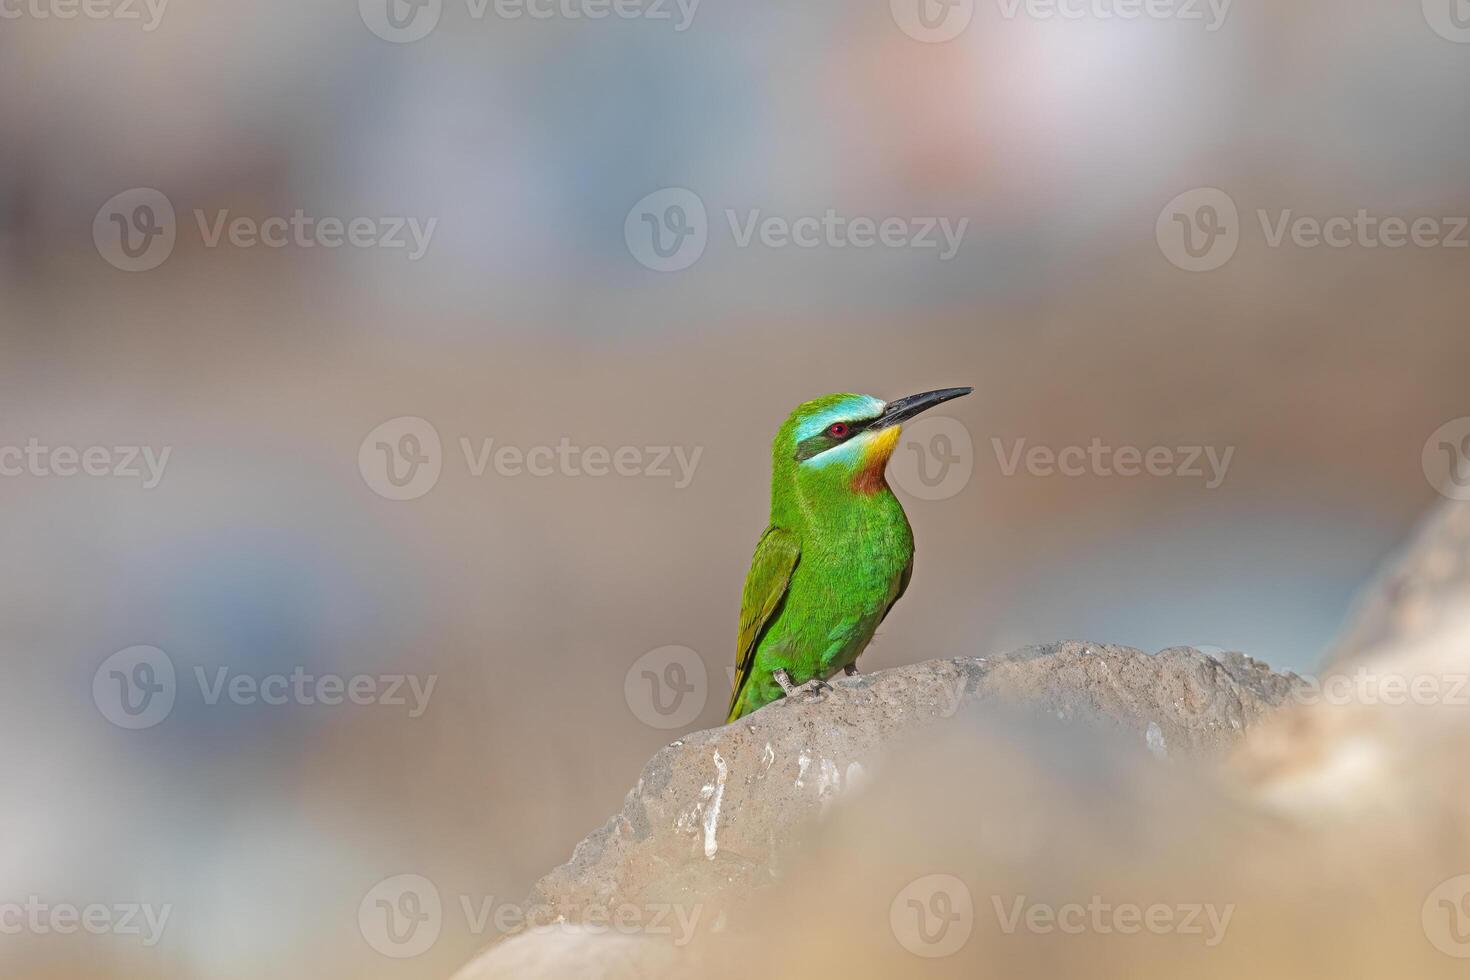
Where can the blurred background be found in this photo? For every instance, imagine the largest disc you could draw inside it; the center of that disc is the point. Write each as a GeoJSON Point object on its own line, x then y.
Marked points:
{"type": "Point", "coordinates": [530, 153]}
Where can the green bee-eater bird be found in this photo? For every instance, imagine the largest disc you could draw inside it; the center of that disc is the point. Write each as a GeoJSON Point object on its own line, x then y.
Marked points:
{"type": "Point", "coordinates": [838, 553]}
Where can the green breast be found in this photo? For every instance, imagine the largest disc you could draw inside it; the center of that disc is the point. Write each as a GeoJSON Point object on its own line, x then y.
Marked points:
{"type": "Point", "coordinates": [850, 572]}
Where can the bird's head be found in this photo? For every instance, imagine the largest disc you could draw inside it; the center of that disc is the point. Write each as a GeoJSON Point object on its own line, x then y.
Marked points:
{"type": "Point", "coordinates": [838, 445]}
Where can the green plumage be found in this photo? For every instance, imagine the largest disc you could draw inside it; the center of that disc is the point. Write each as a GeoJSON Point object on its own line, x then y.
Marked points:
{"type": "Point", "coordinates": [837, 555]}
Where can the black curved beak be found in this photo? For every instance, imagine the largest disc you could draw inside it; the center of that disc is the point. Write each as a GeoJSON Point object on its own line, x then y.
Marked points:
{"type": "Point", "coordinates": [903, 409]}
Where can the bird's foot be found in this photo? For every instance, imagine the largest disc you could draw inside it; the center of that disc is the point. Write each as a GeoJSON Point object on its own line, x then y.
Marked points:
{"type": "Point", "coordinates": [815, 686]}
{"type": "Point", "coordinates": [851, 670]}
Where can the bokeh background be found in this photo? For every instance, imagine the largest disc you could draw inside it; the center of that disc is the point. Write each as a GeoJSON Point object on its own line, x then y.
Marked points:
{"type": "Point", "coordinates": [529, 320]}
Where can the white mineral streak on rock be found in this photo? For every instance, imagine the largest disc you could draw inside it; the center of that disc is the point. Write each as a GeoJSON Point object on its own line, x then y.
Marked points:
{"type": "Point", "coordinates": [712, 813]}
{"type": "Point", "coordinates": [829, 783]}
{"type": "Point", "coordinates": [857, 776]}
{"type": "Point", "coordinates": [802, 761]}
{"type": "Point", "coordinates": [830, 779]}
{"type": "Point", "coordinates": [690, 819]}
{"type": "Point", "coordinates": [768, 758]}
{"type": "Point", "coordinates": [1155, 739]}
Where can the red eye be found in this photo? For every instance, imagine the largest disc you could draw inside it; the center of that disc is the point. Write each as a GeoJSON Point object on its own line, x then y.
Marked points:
{"type": "Point", "coordinates": [837, 430]}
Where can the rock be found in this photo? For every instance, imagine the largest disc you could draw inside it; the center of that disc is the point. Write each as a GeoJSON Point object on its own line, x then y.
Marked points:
{"type": "Point", "coordinates": [1417, 592]}
{"type": "Point", "coordinates": [1381, 735]}
{"type": "Point", "coordinates": [576, 954]}
{"type": "Point", "coordinates": [911, 821]}
{"type": "Point", "coordinates": [713, 814]}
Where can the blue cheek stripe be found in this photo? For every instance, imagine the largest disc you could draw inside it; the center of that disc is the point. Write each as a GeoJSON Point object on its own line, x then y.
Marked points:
{"type": "Point", "coordinates": [849, 455]}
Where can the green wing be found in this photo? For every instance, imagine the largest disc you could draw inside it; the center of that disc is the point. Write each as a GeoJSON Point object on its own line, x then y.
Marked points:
{"type": "Point", "coordinates": [765, 587]}
{"type": "Point", "coordinates": [903, 586]}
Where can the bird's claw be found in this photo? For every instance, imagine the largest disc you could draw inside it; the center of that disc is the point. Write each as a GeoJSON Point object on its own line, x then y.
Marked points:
{"type": "Point", "coordinates": [815, 686]}
{"type": "Point", "coordinates": [851, 670]}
